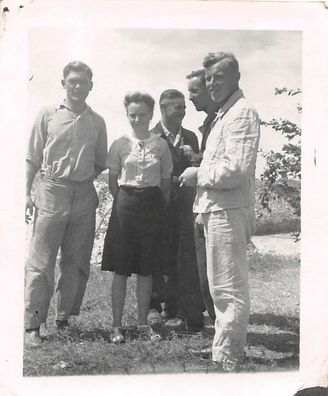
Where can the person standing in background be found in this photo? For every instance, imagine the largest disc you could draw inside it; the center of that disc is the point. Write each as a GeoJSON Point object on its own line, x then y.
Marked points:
{"type": "Point", "coordinates": [68, 144]}
{"type": "Point", "coordinates": [202, 100]}
{"type": "Point", "coordinates": [225, 197]}
{"type": "Point", "coordinates": [180, 281]}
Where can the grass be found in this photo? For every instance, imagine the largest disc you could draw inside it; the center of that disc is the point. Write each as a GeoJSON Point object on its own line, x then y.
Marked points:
{"type": "Point", "coordinates": [85, 348]}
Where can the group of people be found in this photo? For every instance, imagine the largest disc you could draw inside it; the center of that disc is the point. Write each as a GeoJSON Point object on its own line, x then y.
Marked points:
{"type": "Point", "coordinates": [181, 217]}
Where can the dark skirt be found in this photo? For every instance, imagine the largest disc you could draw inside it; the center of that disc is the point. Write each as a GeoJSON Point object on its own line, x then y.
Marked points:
{"type": "Point", "coordinates": [133, 238]}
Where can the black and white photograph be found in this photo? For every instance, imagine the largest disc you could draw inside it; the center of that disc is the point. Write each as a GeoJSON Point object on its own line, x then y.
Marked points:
{"type": "Point", "coordinates": [162, 162]}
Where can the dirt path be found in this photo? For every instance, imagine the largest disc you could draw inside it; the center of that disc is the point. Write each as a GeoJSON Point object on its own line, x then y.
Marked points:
{"type": "Point", "coordinates": [277, 244]}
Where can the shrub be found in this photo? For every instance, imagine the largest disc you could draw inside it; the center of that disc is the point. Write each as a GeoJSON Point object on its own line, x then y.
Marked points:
{"type": "Point", "coordinates": [282, 174]}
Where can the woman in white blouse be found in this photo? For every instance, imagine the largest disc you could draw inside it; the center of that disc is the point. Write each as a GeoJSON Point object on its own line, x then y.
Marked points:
{"type": "Point", "coordinates": [140, 167]}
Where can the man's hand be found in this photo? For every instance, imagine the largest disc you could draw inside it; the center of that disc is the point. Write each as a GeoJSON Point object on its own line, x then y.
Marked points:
{"type": "Point", "coordinates": [29, 208]}
{"type": "Point", "coordinates": [31, 170]}
{"type": "Point", "coordinates": [189, 177]}
{"type": "Point", "coordinates": [199, 225]}
{"type": "Point", "coordinates": [190, 154]}
{"type": "Point", "coordinates": [199, 221]}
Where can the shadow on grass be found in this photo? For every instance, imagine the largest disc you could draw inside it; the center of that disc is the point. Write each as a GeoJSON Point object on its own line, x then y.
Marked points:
{"type": "Point", "coordinates": [273, 339]}
{"type": "Point", "coordinates": [287, 323]}
{"type": "Point", "coordinates": [284, 343]}
{"type": "Point", "coordinates": [290, 363]}
{"type": "Point", "coordinates": [73, 333]}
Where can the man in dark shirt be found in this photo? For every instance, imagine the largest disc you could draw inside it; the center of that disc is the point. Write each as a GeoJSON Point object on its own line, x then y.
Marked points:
{"type": "Point", "coordinates": [182, 295]}
{"type": "Point", "coordinates": [202, 100]}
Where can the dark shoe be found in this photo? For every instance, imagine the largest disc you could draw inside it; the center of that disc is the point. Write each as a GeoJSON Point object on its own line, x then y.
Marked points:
{"type": "Point", "coordinates": [194, 327]}
{"type": "Point", "coordinates": [230, 367]}
{"type": "Point", "coordinates": [214, 367]}
{"type": "Point", "coordinates": [32, 338]}
{"type": "Point", "coordinates": [227, 366]}
{"type": "Point", "coordinates": [195, 323]}
{"type": "Point", "coordinates": [61, 324]}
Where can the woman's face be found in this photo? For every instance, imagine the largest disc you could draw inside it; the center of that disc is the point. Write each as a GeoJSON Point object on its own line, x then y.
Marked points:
{"type": "Point", "coordinates": [139, 116]}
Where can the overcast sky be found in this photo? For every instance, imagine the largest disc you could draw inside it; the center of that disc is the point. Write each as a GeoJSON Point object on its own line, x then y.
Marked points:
{"type": "Point", "coordinates": [153, 60]}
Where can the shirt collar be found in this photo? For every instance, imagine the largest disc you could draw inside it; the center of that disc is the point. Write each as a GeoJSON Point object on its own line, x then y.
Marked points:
{"type": "Point", "coordinates": [229, 103]}
{"type": "Point", "coordinates": [210, 117]}
{"type": "Point", "coordinates": [208, 120]}
{"type": "Point", "coordinates": [134, 139]}
{"type": "Point", "coordinates": [168, 133]}
{"type": "Point", "coordinates": [64, 104]}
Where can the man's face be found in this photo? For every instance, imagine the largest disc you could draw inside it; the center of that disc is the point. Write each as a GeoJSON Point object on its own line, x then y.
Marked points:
{"type": "Point", "coordinates": [77, 85]}
{"type": "Point", "coordinates": [198, 94]}
{"type": "Point", "coordinates": [173, 110]}
{"type": "Point", "coordinates": [221, 81]}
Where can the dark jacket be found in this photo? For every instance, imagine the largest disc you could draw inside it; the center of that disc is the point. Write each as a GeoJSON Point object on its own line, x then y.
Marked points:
{"type": "Point", "coordinates": [179, 256]}
{"type": "Point", "coordinates": [180, 162]}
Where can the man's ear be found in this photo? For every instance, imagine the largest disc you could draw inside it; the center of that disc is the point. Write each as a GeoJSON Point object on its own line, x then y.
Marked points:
{"type": "Point", "coordinates": [91, 85]}
{"type": "Point", "coordinates": [63, 83]}
{"type": "Point", "coordinates": [237, 77]}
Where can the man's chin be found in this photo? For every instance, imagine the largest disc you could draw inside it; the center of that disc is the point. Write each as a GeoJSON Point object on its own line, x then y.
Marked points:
{"type": "Point", "coordinates": [78, 99]}
{"type": "Point", "coordinates": [179, 119]}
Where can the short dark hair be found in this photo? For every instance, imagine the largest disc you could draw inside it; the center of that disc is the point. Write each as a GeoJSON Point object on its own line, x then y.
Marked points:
{"type": "Point", "coordinates": [77, 66]}
{"type": "Point", "coordinates": [171, 94]}
{"type": "Point", "coordinates": [215, 57]}
{"type": "Point", "coordinates": [200, 73]}
{"type": "Point", "coordinates": [138, 97]}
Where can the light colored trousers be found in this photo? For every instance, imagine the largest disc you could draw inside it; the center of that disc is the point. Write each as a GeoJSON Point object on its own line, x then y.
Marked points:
{"type": "Point", "coordinates": [200, 245]}
{"type": "Point", "coordinates": [65, 219]}
{"type": "Point", "coordinates": [227, 233]}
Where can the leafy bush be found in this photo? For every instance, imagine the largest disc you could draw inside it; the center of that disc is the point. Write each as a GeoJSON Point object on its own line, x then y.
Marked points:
{"type": "Point", "coordinates": [282, 174]}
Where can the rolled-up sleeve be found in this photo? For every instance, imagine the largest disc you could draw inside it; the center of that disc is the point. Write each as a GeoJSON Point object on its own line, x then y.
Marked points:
{"type": "Point", "coordinates": [113, 160]}
{"type": "Point", "coordinates": [166, 162]}
{"type": "Point", "coordinates": [238, 160]}
{"type": "Point", "coordinates": [37, 140]}
{"type": "Point", "coordinates": [101, 148]}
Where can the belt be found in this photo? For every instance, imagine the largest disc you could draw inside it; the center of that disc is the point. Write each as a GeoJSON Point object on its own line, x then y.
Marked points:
{"type": "Point", "coordinates": [66, 181]}
{"type": "Point", "coordinates": [139, 189]}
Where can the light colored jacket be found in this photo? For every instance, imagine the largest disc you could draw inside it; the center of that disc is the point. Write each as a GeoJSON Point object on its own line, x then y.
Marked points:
{"type": "Point", "coordinates": [226, 176]}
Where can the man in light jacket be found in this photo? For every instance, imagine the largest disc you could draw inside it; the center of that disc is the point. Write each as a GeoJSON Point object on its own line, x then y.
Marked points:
{"type": "Point", "coordinates": [225, 197]}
